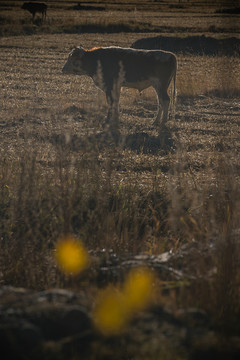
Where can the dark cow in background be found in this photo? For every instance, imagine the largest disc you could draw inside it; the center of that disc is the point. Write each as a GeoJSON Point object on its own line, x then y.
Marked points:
{"type": "Point", "coordinates": [113, 67]}
{"type": "Point", "coordinates": [34, 8]}
{"type": "Point", "coordinates": [197, 45]}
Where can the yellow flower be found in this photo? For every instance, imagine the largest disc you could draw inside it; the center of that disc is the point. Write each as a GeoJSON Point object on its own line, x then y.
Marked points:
{"type": "Point", "coordinates": [138, 289]}
{"type": "Point", "coordinates": [110, 314]}
{"type": "Point", "coordinates": [71, 256]}
{"type": "Point", "coordinates": [115, 308]}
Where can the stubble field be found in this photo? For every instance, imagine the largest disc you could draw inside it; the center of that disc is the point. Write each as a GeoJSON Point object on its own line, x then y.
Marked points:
{"type": "Point", "coordinates": [40, 104]}
{"type": "Point", "coordinates": [62, 173]}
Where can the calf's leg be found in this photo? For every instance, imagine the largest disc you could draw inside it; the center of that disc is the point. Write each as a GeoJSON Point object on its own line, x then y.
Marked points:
{"type": "Point", "coordinates": [113, 96]}
{"type": "Point", "coordinates": [163, 105]}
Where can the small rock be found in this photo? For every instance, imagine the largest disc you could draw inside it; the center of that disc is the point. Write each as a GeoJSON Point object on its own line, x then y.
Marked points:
{"type": "Point", "coordinates": [74, 320]}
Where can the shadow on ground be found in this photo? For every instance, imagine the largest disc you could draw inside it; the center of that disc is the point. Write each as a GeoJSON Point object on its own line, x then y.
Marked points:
{"type": "Point", "coordinates": [148, 144]}
{"type": "Point", "coordinates": [139, 142]}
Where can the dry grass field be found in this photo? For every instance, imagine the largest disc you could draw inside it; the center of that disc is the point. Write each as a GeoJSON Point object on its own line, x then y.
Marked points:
{"type": "Point", "coordinates": [62, 173]}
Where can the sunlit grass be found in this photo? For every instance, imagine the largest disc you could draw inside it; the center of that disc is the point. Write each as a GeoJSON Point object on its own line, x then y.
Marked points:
{"type": "Point", "coordinates": [206, 74]}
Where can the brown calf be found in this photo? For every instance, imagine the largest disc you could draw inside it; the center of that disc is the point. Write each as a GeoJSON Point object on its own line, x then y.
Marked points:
{"type": "Point", "coordinates": [113, 67]}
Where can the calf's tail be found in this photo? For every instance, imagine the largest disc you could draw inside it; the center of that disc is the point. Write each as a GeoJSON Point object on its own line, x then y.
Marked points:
{"type": "Point", "coordinates": [174, 93]}
{"type": "Point", "coordinates": [174, 81]}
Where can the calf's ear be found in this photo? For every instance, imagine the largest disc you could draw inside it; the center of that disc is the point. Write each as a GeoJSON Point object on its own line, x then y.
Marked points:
{"type": "Point", "coordinates": [79, 51]}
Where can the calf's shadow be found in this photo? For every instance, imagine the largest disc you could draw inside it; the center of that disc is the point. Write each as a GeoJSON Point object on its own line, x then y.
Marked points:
{"type": "Point", "coordinates": [148, 144]}
{"type": "Point", "coordinates": [138, 142]}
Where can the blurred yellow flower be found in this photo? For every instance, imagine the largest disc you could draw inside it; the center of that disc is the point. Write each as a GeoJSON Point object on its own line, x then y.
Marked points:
{"type": "Point", "coordinates": [110, 314]}
{"type": "Point", "coordinates": [115, 308]}
{"type": "Point", "coordinates": [71, 256]}
{"type": "Point", "coordinates": [138, 289]}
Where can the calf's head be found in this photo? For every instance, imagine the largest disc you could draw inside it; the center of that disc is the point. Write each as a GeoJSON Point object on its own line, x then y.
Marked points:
{"type": "Point", "coordinates": [74, 62]}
